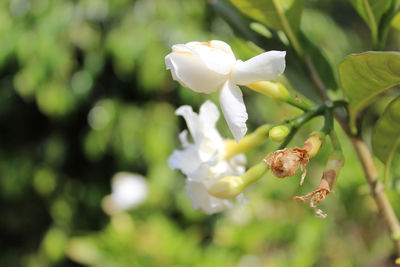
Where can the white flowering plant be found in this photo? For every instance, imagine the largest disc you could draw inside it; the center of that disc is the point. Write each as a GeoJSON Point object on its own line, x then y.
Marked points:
{"type": "Point", "coordinates": [215, 168]}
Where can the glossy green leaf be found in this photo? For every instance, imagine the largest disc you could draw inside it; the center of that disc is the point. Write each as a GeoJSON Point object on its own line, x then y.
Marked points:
{"type": "Point", "coordinates": [366, 75]}
{"type": "Point", "coordinates": [284, 15]}
{"type": "Point", "coordinates": [386, 133]}
{"type": "Point", "coordinates": [371, 11]}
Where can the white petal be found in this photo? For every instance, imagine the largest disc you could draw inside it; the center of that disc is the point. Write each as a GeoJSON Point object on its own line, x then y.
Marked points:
{"type": "Point", "coordinates": [209, 114]}
{"type": "Point", "coordinates": [238, 164]}
{"type": "Point", "coordinates": [191, 72]}
{"type": "Point", "coordinates": [200, 198]}
{"type": "Point", "coordinates": [216, 55]}
{"type": "Point", "coordinates": [192, 121]}
{"type": "Point", "coordinates": [201, 173]}
{"type": "Point", "coordinates": [232, 105]}
{"type": "Point", "coordinates": [264, 67]}
{"type": "Point", "coordinates": [208, 150]}
{"type": "Point", "coordinates": [185, 160]}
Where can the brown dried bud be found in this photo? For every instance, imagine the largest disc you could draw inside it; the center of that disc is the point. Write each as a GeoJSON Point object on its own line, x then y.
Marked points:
{"type": "Point", "coordinates": [328, 180]}
{"type": "Point", "coordinates": [313, 144]}
{"type": "Point", "coordinates": [286, 162]}
{"type": "Point", "coordinates": [316, 196]}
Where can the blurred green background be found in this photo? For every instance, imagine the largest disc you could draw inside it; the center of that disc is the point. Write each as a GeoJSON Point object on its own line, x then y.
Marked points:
{"type": "Point", "coordinates": [84, 94]}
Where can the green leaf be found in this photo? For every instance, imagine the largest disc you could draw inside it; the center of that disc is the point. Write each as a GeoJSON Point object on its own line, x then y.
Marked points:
{"type": "Point", "coordinates": [371, 11]}
{"type": "Point", "coordinates": [364, 76]}
{"type": "Point", "coordinates": [269, 12]}
{"type": "Point", "coordinates": [320, 61]}
{"type": "Point", "coordinates": [395, 23]}
{"type": "Point", "coordinates": [386, 134]}
{"type": "Point", "coordinates": [284, 15]}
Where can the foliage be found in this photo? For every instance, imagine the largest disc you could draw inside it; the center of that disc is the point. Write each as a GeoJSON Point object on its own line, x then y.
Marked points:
{"type": "Point", "coordinates": [386, 135]}
{"type": "Point", "coordinates": [365, 76]}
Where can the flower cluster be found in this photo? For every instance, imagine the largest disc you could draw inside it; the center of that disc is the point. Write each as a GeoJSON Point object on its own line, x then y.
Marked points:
{"type": "Point", "coordinates": [215, 168]}
{"type": "Point", "coordinates": [206, 67]}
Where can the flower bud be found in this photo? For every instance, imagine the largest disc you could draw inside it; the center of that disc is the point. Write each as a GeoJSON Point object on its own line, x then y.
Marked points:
{"type": "Point", "coordinates": [231, 186]}
{"type": "Point", "coordinates": [313, 143]}
{"type": "Point", "coordinates": [250, 141]}
{"type": "Point", "coordinates": [227, 187]}
{"type": "Point", "coordinates": [278, 133]}
{"type": "Point", "coordinates": [274, 90]}
{"type": "Point", "coordinates": [286, 162]}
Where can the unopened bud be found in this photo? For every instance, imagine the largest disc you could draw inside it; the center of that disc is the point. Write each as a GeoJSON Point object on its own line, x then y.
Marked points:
{"type": "Point", "coordinates": [227, 187]}
{"type": "Point", "coordinates": [274, 90]}
{"type": "Point", "coordinates": [250, 141]}
{"type": "Point", "coordinates": [278, 133]}
{"type": "Point", "coordinates": [231, 186]}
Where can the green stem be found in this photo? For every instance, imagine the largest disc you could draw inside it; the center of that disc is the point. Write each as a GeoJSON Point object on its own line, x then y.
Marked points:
{"type": "Point", "coordinates": [288, 30]}
{"type": "Point", "coordinates": [373, 25]}
{"type": "Point", "coordinates": [288, 138]}
{"type": "Point", "coordinates": [298, 104]}
{"type": "Point", "coordinates": [296, 123]}
{"type": "Point", "coordinates": [335, 141]}
{"type": "Point", "coordinates": [314, 111]}
{"type": "Point", "coordinates": [328, 125]}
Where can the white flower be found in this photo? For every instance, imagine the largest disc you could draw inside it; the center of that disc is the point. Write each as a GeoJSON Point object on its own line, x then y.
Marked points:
{"type": "Point", "coordinates": [128, 190]}
{"type": "Point", "coordinates": [201, 161]}
{"type": "Point", "coordinates": [206, 67]}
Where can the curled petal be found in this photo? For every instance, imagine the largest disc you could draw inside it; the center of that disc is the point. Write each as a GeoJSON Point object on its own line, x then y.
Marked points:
{"type": "Point", "coordinates": [216, 55]}
{"type": "Point", "coordinates": [316, 197]}
{"type": "Point", "coordinates": [232, 105]}
{"type": "Point", "coordinates": [203, 125]}
{"type": "Point", "coordinates": [264, 67]}
{"type": "Point", "coordinates": [209, 115]}
{"type": "Point", "coordinates": [192, 121]}
{"type": "Point", "coordinates": [191, 72]}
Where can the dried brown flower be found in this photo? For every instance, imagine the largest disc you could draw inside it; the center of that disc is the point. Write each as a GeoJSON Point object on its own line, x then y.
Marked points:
{"type": "Point", "coordinates": [285, 162]}
{"type": "Point", "coordinates": [316, 196]}
{"type": "Point", "coordinates": [328, 180]}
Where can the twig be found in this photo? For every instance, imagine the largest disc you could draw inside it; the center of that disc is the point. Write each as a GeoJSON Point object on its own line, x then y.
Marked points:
{"type": "Point", "coordinates": [381, 200]}
{"type": "Point", "coordinates": [319, 85]}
